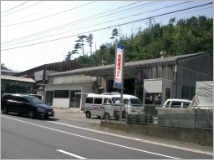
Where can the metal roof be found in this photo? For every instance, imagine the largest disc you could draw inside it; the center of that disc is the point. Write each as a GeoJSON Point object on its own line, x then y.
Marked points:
{"type": "Point", "coordinates": [49, 66]}
{"type": "Point", "coordinates": [128, 65]}
{"type": "Point", "coordinates": [21, 79]}
{"type": "Point", "coordinates": [8, 71]}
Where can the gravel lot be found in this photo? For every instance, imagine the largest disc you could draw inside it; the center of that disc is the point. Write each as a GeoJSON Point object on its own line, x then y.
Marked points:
{"type": "Point", "coordinates": [74, 114]}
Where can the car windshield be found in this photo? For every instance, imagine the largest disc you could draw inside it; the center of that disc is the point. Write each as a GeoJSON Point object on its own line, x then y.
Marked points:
{"type": "Point", "coordinates": [34, 100]}
{"type": "Point", "coordinates": [136, 102]}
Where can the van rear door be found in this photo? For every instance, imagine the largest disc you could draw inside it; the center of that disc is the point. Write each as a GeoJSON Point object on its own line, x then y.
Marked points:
{"type": "Point", "coordinates": [97, 107]}
{"type": "Point", "coordinates": [108, 106]}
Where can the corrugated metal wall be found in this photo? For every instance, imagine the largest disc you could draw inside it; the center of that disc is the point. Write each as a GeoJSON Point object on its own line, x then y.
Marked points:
{"type": "Point", "coordinates": [183, 73]}
{"type": "Point", "coordinates": [71, 79]}
{"type": "Point", "coordinates": [198, 68]}
{"type": "Point", "coordinates": [165, 72]}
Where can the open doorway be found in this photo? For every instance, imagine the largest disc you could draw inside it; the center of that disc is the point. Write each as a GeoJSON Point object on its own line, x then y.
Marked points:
{"type": "Point", "coordinates": [49, 98]}
{"type": "Point", "coordinates": [75, 99]}
{"type": "Point", "coordinates": [129, 87]}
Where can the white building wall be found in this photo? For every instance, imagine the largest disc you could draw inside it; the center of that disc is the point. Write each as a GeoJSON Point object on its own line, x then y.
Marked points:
{"type": "Point", "coordinates": [52, 87]}
{"type": "Point", "coordinates": [72, 79]}
{"type": "Point", "coordinates": [61, 102]}
{"type": "Point", "coordinates": [157, 86]}
{"type": "Point", "coordinates": [153, 85]}
{"type": "Point", "coordinates": [65, 102]}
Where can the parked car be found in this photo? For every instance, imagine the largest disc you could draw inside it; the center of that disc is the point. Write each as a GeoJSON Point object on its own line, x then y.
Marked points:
{"type": "Point", "coordinates": [176, 103]}
{"type": "Point", "coordinates": [36, 95]}
{"type": "Point", "coordinates": [25, 104]}
{"type": "Point", "coordinates": [3, 94]}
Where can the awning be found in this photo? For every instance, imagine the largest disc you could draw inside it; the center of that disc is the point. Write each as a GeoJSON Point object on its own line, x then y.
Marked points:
{"type": "Point", "coordinates": [105, 73]}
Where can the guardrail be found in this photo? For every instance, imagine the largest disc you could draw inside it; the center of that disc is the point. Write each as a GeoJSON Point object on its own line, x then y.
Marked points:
{"type": "Point", "coordinates": [193, 118]}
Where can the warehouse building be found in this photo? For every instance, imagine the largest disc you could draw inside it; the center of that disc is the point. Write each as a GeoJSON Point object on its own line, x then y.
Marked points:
{"type": "Point", "coordinates": [181, 71]}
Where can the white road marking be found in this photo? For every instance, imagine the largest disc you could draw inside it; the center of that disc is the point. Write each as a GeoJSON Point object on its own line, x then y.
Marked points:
{"type": "Point", "coordinates": [111, 134]}
{"type": "Point", "coordinates": [136, 139]}
{"type": "Point", "coordinates": [70, 154]}
{"type": "Point", "coordinates": [93, 139]}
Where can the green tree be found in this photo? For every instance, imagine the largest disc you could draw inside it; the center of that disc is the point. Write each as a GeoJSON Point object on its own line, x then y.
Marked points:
{"type": "Point", "coordinates": [89, 39]}
{"type": "Point", "coordinates": [15, 87]}
{"type": "Point", "coordinates": [183, 36]}
{"type": "Point", "coordinates": [80, 43]}
{"type": "Point", "coordinates": [114, 34]}
{"type": "Point", "coordinates": [69, 55]}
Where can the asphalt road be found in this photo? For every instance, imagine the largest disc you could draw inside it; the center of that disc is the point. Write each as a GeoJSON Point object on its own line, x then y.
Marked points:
{"type": "Point", "coordinates": [64, 138]}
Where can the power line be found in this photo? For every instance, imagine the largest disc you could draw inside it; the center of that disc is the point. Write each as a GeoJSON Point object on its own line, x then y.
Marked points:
{"type": "Point", "coordinates": [75, 22]}
{"type": "Point", "coordinates": [49, 15]}
{"type": "Point", "coordinates": [105, 22]}
{"type": "Point", "coordinates": [112, 26]}
{"type": "Point", "coordinates": [23, 8]}
{"type": "Point", "coordinates": [14, 7]}
{"type": "Point", "coordinates": [186, 12]}
{"type": "Point", "coordinates": [36, 13]}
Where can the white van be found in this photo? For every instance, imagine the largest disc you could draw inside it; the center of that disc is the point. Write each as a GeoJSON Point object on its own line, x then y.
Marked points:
{"type": "Point", "coordinates": [107, 105]}
{"type": "Point", "coordinates": [100, 105]}
{"type": "Point", "coordinates": [176, 103]}
{"type": "Point", "coordinates": [133, 105]}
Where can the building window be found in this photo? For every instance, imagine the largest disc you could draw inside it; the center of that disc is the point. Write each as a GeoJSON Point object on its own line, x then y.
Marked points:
{"type": "Point", "coordinates": [49, 98]}
{"type": "Point", "coordinates": [75, 98]}
{"type": "Point", "coordinates": [153, 98]}
{"type": "Point", "coordinates": [61, 94]}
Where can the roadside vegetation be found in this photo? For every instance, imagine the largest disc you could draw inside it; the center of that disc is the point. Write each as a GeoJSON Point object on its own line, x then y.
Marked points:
{"type": "Point", "coordinates": [178, 37]}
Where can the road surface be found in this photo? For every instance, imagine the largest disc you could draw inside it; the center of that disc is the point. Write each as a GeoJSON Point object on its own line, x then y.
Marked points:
{"type": "Point", "coordinates": [24, 138]}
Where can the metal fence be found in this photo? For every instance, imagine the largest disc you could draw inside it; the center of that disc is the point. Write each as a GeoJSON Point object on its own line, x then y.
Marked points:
{"type": "Point", "coordinates": [186, 118]}
{"type": "Point", "coordinates": [192, 118]}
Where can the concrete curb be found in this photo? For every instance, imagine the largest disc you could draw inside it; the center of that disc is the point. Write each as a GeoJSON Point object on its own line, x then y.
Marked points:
{"type": "Point", "coordinates": [68, 110]}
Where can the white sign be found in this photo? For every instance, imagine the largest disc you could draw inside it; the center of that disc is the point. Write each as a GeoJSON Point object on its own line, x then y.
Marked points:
{"type": "Point", "coordinates": [119, 66]}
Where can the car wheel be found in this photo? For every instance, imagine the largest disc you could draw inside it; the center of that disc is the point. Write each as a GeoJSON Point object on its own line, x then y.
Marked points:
{"type": "Point", "coordinates": [31, 114]}
{"type": "Point", "coordinates": [88, 114]}
{"type": "Point", "coordinates": [4, 110]}
{"type": "Point", "coordinates": [46, 117]}
{"type": "Point", "coordinates": [117, 117]}
{"type": "Point", "coordinates": [106, 116]}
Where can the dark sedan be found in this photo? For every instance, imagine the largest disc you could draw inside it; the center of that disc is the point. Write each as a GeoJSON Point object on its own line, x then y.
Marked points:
{"type": "Point", "coordinates": [25, 104]}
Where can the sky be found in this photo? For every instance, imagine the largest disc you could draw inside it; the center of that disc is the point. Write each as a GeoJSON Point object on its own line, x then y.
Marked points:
{"type": "Point", "coordinates": [34, 33]}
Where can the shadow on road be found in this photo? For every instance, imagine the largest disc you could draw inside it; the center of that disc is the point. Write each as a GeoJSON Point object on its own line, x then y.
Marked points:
{"type": "Point", "coordinates": [25, 116]}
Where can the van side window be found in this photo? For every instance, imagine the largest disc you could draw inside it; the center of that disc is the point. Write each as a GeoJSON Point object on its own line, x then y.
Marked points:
{"type": "Point", "coordinates": [126, 101]}
{"type": "Point", "coordinates": [97, 100]}
{"type": "Point", "coordinates": [89, 100]}
{"type": "Point", "coordinates": [107, 101]}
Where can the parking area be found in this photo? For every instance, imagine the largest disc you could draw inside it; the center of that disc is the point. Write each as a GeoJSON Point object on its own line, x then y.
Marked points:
{"type": "Point", "coordinates": [74, 114]}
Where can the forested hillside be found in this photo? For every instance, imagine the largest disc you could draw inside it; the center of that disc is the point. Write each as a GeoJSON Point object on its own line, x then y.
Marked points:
{"type": "Point", "coordinates": [179, 37]}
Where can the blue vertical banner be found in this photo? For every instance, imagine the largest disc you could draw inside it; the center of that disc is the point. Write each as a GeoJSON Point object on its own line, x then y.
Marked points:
{"type": "Point", "coordinates": [119, 66]}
